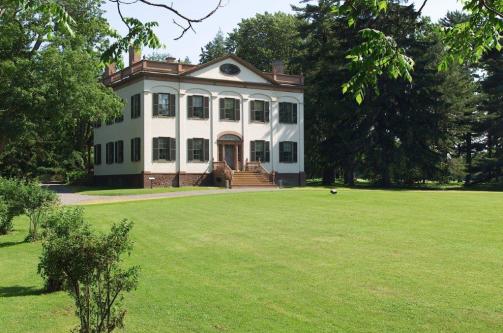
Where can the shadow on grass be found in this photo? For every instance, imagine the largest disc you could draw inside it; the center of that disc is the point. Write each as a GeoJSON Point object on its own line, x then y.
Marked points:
{"type": "Point", "coordinates": [20, 291]}
{"type": "Point", "coordinates": [496, 187]}
{"type": "Point", "coordinates": [8, 244]}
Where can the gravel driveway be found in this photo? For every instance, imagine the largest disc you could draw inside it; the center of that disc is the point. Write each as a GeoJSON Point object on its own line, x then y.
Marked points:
{"type": "Point", "coordinates": [68, 197]}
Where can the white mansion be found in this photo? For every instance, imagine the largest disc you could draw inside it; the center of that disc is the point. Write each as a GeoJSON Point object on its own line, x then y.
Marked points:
{"type": "Point", "coordinates": [202, 124]}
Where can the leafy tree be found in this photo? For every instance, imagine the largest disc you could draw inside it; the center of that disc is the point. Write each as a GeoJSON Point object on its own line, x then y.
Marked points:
{"type": "Point", "coordinates": [214, 49]}
{"type": "Point", "coordinates": [158, 56]}
{"type": "Point", "coordinates": [378, 53]}
{"type": "Point", "coordinates": [44, 75]}
{"type": "Point", "coordinates": [267, 37]}
{"type": "Point", "coordinates": [89, 266]}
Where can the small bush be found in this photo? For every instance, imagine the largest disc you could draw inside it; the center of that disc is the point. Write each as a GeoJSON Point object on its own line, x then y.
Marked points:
{"type": "Point", "coordinates": [89, 267]}
{"type": "Point", "coordinates": [5, 218]}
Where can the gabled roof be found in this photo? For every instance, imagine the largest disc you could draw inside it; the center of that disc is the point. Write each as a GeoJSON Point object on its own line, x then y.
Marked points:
{"type": "Point", "coordinates": [235, 58]}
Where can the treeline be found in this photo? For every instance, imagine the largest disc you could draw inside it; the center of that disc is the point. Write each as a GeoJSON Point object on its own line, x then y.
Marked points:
{"type": "Point", "coordinates": [443, 126]}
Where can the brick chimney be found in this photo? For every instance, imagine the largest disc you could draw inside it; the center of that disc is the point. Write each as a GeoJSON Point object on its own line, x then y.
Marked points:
{"type": "Point", "coordinates": [109, 70]}
{"type": "Point", "coordinates": [134, 55]}
{"type": "Point", "coordinates": [278, 67]}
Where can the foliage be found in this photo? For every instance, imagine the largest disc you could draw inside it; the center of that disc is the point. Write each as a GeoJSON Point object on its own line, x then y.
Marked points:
{"type": "Point", "coordinates": [44, 74]}
{"type": "Point", "coordinates": [377, 53]}
{"type": "Point", "coordinates": [265, 38]}
{"type": "Point", "coordinates": [89, 267]}
{"type": "Point", "coordinates": [408, 130]}
{"type": "Point", "coordinates": [214, 49]}
{"type": "Point", "coordinates": [36, 203]}
{"type": "Point", "coordinates": [5, 218]}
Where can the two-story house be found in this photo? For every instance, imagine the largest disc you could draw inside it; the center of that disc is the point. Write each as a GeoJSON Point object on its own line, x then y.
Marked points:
{"type": "Point", "coordinates": [202, 124]}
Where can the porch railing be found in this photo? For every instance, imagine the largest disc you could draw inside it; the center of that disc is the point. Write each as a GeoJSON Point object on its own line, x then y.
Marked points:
{"type": "Point", "coordinates": [222, 169]}
{"type": "Point", "coordinates": [256, 166]}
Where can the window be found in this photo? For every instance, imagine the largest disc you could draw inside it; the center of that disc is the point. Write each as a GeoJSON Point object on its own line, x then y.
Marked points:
{"type": "Point", "coordinates": [164, 105]}
{"type": "Point", "coordinates": [288, 152]}
{"type": "Point", "coordinates": [259, 151]}
{"type": "Point", "coordinates": [198, 150]}
{"type": "Point", "coordinates": [135, 150]}
{"type": "Point", "coordinates": [97, 154]}
{"type": "Point", "coordinates": [135, 106]}
{"type": "Point", "coordinates": [109, 121]}
{"type": "Point", "coordinates": [198, 107]}
{"type": "Point", "coordinates": [288, 113]}
{"type": "Point", "coordinates": [229, 109]}
{"type": "Point", "coordinates": [164, 149]}
{"type": "Point", "coordinates": [119, 151]}
{"type": "Point", "coordinates": [259, 111]}
{"type": "Point", "coordinates": [110, 153]}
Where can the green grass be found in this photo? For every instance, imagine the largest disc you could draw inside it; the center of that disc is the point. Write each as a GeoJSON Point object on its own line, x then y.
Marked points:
{"type": "Point", "coordinates": [290, 261]}
{"type": "Point", "coordinates": [113, 191]}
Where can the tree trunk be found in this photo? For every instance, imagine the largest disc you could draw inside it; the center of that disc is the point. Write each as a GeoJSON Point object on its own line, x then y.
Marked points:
{"type": "Point", "coordinates": [468, 158]}
{"type": "Point", "coordinates": [328, 176]}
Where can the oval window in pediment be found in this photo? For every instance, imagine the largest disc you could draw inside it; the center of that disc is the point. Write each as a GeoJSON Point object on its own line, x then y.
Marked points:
{"type": "Point", "coordinates": [230, 69]}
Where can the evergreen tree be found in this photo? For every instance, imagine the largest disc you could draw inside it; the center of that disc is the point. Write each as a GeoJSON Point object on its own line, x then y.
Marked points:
{"type": "Point", "coordinates": [214, 49]}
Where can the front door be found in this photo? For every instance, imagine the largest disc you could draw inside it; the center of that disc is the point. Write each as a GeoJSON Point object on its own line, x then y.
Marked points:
{"type": "Point", "coordinates": [229, 155]}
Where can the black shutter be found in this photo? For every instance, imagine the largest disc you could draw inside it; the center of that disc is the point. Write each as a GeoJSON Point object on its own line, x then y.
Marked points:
{"type": "Point", "coordinates": [190, 152]}
{"type": "Point", "coordinates": [252, 109]}
{"type": "Point", "coordinates": [267, 152]}
{"type": "Point", "coordinates": [119, 151]}
{"type": "Point", "coordinates": [172, 105]}
{"type": "Point", "coordinates": [190, 109]}
{"type": "Point", "coordinates": [138, 149]}
{"type": "Point", "coordinates": [266, 112]}
{"type": "Point", "coordinates": [155, 105]}
{"type": "Point", "coordinates": [294, 144]}
{"type": "Point", "coordinates": [172, 149]}
{"type": "Point", "coordinates": [237, 110]}
{"type": "Point", "coordinates": [116, 152]}
{"type": "Point", "coordinates": [133, 149]}
{"type": "Point", "coordinates": [281, 151]}
{"type": "Point", "coordinates": [294, 113]}
{"type": "Point", "coordinates": [206, 104]}
{"type": "Point", "coordinates": [206, 150]}
{"type": "Point", "coordinates": [253, 156]}
{"type": "Point", "coordinates": [155, 149]}
{"type": "Point", "coordinates": [132, 106]}
{"type": "Point", "coordinates": [222, 108]}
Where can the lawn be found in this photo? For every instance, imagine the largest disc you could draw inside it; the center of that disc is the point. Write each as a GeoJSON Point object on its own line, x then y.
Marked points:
{"type": "Point", "coordinates": [297, 260]}
{"type": "Point", "coordinates": [112, 191]}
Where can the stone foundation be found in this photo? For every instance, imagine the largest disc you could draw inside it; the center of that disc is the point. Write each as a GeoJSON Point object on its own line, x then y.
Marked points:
{"type": "Point", "coordinates": [291, 179]}
{"type": "Point", "coordinates": [183, 179]}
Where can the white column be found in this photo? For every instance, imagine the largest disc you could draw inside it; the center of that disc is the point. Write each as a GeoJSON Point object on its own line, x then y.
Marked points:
{"type": "Point", "coordinates": [301, 137]}
{"type": "Point", "coordinates": [273, 118]}
{"type": "Point", "coordinates": [214, 116]}
{"type": "Point", "coordinates": [146, 140]}
{"type": "Point", "coordinates": [181, 138]}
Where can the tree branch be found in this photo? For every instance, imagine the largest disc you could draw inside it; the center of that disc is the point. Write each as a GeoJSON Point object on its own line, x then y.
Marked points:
{"type": "Point", "coordinates": [189, 21]}
{"type": "Point", "coordinates": [490, 9]}
{"type": "Point", "coordinates": [422, 6]}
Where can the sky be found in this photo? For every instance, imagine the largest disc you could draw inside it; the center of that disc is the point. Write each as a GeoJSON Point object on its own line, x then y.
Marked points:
{"type": "Point", "coordinates": [226, 19]}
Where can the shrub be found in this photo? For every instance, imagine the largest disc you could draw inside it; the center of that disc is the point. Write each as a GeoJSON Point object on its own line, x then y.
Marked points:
{"type": "Point", "coordinates": [5, 218]}
{"type": "Point", "coordinates": [36, 201]}
{"type": "Point", "coordinates": [88, 266]}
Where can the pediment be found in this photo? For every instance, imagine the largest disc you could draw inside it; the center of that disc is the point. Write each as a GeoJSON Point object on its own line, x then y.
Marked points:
{"type": "Point", "coordinates": [229, 68]}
